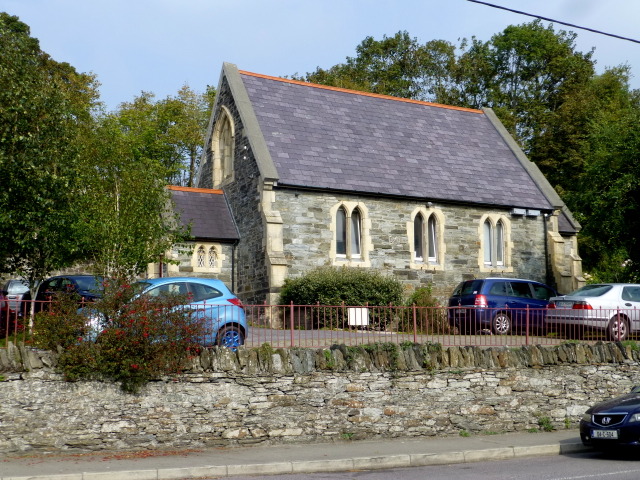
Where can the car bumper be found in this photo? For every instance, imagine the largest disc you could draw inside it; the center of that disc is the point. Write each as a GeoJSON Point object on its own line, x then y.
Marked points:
{"type": "Point", "coordinates": [464, 316]}
{"type": "Point", "coordinates": [591, 321]}
{"type": "Point", "coordinates": [627, 435]}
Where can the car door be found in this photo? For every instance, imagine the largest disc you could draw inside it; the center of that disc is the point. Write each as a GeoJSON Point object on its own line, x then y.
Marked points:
{"type": "Point", "coordinates": [520, 295]}
{"type": "Point", "coordinates": [631, 304]}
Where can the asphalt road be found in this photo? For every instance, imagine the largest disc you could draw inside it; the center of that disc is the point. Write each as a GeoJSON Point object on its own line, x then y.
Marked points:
{"type": "Point", "coordinates": [579, 466]}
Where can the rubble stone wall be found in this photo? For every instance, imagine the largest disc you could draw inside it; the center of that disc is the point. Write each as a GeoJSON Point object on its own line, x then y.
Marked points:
{"type": "Point", "coordinates": [301, 395]}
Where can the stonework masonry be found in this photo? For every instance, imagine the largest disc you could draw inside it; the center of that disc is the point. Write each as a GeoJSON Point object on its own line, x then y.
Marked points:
{"type": "Point", "coordinates": [293, 395]}
{"type": "Point", "coordinates": [307, 240]}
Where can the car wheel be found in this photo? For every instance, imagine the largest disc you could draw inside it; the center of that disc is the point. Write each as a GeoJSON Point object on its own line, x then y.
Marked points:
{"type": "Point", "coordinates": [501, 324]}
{"type": "Point", "coordinates": [618, 329]}
{"type": "Point", "coordinates": [230, 336]}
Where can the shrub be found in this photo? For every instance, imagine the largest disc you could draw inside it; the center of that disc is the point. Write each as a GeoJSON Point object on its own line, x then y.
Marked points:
{"type": "Point", "coordinates": [122, 337]}
{"type": "Point", "coordinates": [59, 325]}
{"type": "Point", "coordinates": [330, 286]}
{"type": "Point", "coordinates": [431, 317]}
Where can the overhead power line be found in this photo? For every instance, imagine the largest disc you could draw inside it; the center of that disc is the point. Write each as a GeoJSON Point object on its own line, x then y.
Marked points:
{"type": "Point", "coordinates": [556, 21]}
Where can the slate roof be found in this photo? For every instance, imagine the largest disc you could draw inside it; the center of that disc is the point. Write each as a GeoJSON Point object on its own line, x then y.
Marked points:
{"type": "Point", "coordinates": [206, 211]}
{"type": "Point", "coordinates": [326, 138]}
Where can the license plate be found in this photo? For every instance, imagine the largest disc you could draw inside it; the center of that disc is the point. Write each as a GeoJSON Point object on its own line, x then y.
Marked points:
{"type": "Point", "coordinates": [564, 304]}
{"type": "Point", "coordinates": [612, 434]}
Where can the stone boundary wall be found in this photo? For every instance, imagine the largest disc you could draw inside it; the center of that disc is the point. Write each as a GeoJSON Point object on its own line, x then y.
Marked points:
{"type": "Point", "coordinates": [302, 395]}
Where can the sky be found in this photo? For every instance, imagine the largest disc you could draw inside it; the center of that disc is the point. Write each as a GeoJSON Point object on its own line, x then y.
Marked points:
{"type": "Point", "coordinates": [160, 45]}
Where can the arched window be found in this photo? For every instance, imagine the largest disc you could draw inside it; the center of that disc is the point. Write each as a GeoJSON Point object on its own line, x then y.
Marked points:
{"type": "Point", "coordinates": [488, 242]}
{"type": "Point", "coordinates": [226, 147]}
{"type": "Point", "coordinates": [200, 257]}
{"type": "Point", "coordinates": [494, 243]}
{"type": "Point", "coordinates": [418, 238]}
{"type": "Point", "coordinates": [356, 231]}
{"type": "Point", "coordinates": [350, 230]}
{"type": "Point", "coordinates": [222, 143]}
{"type": "Point", "coordinates": [432, 231]}
{"type": "Point", "coordinates": [426, 238]}
{"type": "Point", "coordinates": [213, 257]}
{"type": "Point", "coordinates": [341, 232]}
{"type": "Point", "coordinates": [500, 243]}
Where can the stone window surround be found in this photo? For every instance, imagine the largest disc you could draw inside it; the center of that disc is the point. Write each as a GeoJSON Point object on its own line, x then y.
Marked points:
{"type": "Point", "coordinates": [427, 212]}
{"type": "Point", "coordinates": [493, 220]}
{"type": "Point", "coordinates": [208, 249]}
{"type": "Point", "coordinates": [365, 238]}
{"type": "Point", "coordinates": [190, 251]}
{"type": "Point", "coordinates": [223, 171]}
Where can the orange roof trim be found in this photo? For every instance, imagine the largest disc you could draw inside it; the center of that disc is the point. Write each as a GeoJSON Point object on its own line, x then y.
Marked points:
{"type": "Point", "coordinates": [357, 92]}
{"type": "Point", "coordinates": [197, 190]}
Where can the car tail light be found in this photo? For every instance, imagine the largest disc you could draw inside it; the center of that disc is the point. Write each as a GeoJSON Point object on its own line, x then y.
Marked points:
{"type": "Point", "coordinates": [481, 301]}
{"type": "Point", "coordinates": [236, 302]}
{"type": "Point", "coordinates": [551, 305]}
{"type": "Point", "coordinates": [582, 306]}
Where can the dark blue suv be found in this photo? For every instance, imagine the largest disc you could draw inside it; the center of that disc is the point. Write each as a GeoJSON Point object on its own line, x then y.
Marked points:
{"type": "Point", "coordinates": [499, 305]}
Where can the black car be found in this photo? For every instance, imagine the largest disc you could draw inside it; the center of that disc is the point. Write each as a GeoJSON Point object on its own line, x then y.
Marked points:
{"type": "Point", "coordinates": [88, 288]}
{"type": "Point", "coordinates": [499, 305]}
{"type": "Point", "coordinates": [613, 423]}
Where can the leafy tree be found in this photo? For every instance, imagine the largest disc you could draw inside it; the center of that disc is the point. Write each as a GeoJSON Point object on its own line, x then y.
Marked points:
{"type": "Point", "coordinates": [189, 113]}
{"type": "Point", "coordinates": [125, 207]}
{"type": "Point", "coordinates": [606, 196]}
{"type": "Point", "coordinates": [170, 130]}
{"type": "Point", "coordinates": [45, 114]}
{"type": "Point", "coordinates": [391, 66]}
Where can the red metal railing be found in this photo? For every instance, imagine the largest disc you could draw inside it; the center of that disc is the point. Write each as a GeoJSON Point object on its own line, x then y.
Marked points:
{"type": "Point", "coordinates": [317, 326]}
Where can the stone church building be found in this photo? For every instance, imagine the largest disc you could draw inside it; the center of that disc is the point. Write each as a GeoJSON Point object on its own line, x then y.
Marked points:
{"type": "Point", "coordinates": [321, 176]}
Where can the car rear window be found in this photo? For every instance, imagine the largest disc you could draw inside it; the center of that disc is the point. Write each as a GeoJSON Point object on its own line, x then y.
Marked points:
{"type": "Point", "coordinates": [591, 291]}
{"type": "Point", "coordinates": [468, 287]}
{"type": "Point", "coordinates": [16, 287]}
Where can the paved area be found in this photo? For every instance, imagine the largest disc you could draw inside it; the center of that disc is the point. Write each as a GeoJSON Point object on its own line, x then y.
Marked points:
{"type": "Point", "coordinates": [298, 458]}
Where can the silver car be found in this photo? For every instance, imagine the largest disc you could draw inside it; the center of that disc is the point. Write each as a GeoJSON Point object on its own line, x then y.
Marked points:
{"type": "Point", "coordinates": [611, 307]}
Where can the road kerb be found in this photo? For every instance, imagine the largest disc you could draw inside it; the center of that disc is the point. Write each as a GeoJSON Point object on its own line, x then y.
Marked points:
{"type": "Point", "coordinates": [383, 461]}
{"type": "Point", "coordinates": [426, 459]}
{"type": "Point", "coordinates": [122, 475]}
{"type": "Point", "coordinates": [192, 472]}
{"type": "Point", "coordinates": [312, 466]}
{"type": "Point", "coordinates": [277, 468]}
{"type": "Point", "coordinates": [502, 453]}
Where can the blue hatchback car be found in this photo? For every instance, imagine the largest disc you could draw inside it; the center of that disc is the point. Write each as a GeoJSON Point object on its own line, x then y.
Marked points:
{"type": "Point", "coordinates": [209, 299]}
{"type": "Point", "coordinates": [499, 305]}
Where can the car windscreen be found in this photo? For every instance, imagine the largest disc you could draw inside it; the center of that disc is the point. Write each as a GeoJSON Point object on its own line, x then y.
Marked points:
{"type": "Point", "coordinates": [591, 291]}
{"type": "Point", "coordinates": [89, 284]}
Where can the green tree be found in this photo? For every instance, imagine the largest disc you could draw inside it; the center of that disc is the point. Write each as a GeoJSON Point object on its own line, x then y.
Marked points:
{"type": "Point", "coordinates": [391, 66]}
{"type": "Point", "coordinates": [606, 195]}
{"type": "Point", "coordinates": [45, 114]}
{"type": "Point", "coordinates": [171, 130]}
{"type": "Point", "coordinates": [125, 207]}
{"type": "Point", "coordinates": [189, 113]}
